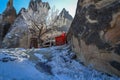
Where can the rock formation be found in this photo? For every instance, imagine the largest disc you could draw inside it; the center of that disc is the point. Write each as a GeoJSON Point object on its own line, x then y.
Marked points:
{"type": "Point", "coordinates": [19, 35]}
{"type": "Point", "coordinates": [34, 5]}
{"type": "Point", "coordinates": [1, 29]}
{"type": "Point", "coordinates": [9, 15]}
{"type": "Point", "coordinates": [63, 21]}
{"type": "Point", "coordinates": [95, 34]}
{"type": "Point", "coordinates": [6, 19]}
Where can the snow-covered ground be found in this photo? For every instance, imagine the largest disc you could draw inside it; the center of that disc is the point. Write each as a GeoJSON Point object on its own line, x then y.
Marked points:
{"type": "Point", "coordinates": [53, 63]}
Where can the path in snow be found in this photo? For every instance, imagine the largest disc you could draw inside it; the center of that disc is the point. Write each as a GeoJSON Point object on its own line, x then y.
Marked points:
{"type": "Point", "coordinates": [55, 63]}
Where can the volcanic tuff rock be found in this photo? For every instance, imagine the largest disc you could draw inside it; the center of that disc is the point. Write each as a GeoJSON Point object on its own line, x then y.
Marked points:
{"type": "Point", "coordinates": [1, 18]}
{"type": "Point", "coordinates": [19, 35]}
{"type": "Point", "coordinates": [63, 20]}
{"type": "Point", "coordinates": [6, 19]}
{"type": "Point", "coordinates": [1, 29]}
{"type": "Point", "coordinates": [34, 5]}
{"type": "Point", "coordinates": [95, 34]}
{"type": "Point", "coordinates": [9, 15]}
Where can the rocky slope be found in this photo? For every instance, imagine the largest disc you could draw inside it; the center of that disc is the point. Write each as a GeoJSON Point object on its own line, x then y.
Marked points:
{"type": "Point", "coordinates": [94, 34]}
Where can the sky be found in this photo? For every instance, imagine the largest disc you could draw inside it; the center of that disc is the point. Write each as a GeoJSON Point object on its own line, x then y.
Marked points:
{"type": "Point", "coordinates": [69, 5]}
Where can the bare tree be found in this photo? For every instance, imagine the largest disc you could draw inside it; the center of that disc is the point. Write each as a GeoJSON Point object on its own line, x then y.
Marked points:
{"type": "Point", "coordinates": [36, 20]}
{"type": "Point", "coordinates": [52, 17]}
{"type": "Point", "coordinates": [40, 21]}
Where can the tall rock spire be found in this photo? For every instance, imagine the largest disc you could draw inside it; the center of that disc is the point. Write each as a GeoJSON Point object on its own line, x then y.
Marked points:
{"type": "Point", "coordinates": [9, 15]}
{"type": "Point", "coordinates": [10, 3]}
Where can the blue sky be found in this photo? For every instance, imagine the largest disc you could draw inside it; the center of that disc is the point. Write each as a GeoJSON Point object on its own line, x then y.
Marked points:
{"type": "Point", "coordinates": [70, 5]}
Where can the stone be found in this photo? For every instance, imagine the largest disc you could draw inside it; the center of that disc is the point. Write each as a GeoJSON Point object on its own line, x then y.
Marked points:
{"type": "Point", "coordinates": [5, 59]}
{"type": "Point", "coordinates": [72, 56]}
{"type": "Point", "coordinates": [94, 34]}
{"type": "Point", "coordinates": [44, 67]}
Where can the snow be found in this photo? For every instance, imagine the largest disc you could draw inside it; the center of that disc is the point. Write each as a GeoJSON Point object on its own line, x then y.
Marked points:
{"type": "Point", "coordinates": [41, 57]}
{"type": "Point", "coordinates": [53, 63]}
{"type": "Point", "coordinates": [20, 69]}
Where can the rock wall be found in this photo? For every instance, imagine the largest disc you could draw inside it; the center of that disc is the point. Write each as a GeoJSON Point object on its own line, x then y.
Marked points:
{"type": "Point", "coordinates": [19, 35]}
{"type": "Point", "coordinates": [6, 19]}
{"type": "Point", "coordinates": [95, 34]}
{"type": "Point", "coordinates": [63, 21]}
{"type": "Point", "coordinates": [9, 15]}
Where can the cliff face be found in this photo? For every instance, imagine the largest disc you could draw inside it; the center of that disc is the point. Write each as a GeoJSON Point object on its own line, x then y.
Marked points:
{"type": "Point", "coordinates": [63, 21]}
{"type": "Point", "coordinates": [6, 19]}
{"type": "Point", "coordinates": [36, 4]}
{"type": "Point", "coordinates": [9, 15]}
{"type": "Point", "coordinates": [95, 34]}
{"type": "Point", "coordinates": [18, 32]}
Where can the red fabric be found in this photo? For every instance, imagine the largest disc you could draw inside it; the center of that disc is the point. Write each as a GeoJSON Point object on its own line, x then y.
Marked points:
{"type": "Point", "coordinates": [60, 40]}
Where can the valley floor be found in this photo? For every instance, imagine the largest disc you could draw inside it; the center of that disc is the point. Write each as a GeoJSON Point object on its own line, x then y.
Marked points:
{"type": "Point", "coordinates": [55, 63]}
